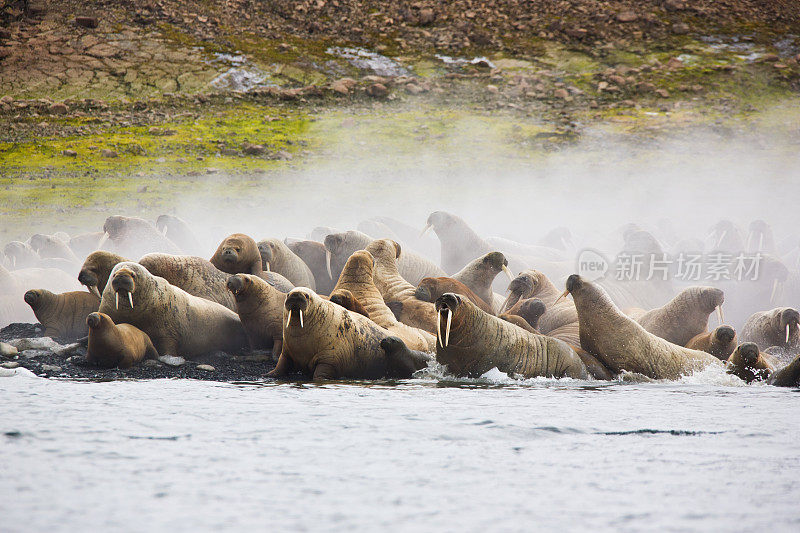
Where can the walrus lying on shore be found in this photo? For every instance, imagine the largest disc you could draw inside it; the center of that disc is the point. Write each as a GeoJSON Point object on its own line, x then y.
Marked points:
{"type": "Point", "coordinates": [178, 323]}
{"type": "Point", "coordinates": [777, 327]}
{"type": "Point", "coordinates": [21, 255]}
{"type": "Point", "coordinates": [326, 341]}
{"type": "Point", "coordinates": [620, 343]}
{"type": "Point", "coordinates": [357, 277]}
{"type": "Point", "coordinates": [134, 237]}
{"type": "Point", "coordinates": [471, 342]}
{"type": "Point", "coordinates": [748, 364]}
{"type": "Point", "coordinates": [96, 270]}
{"type": "Point", "coordinates": [178, 231]}
{"type": "Point", "coordinates": [48, 246]}
{"type": "Point", "coordinates": [62, 315]}
{"type": "Point", "coordinates": [479, 275]}
{"type": "Point", "coordinates": [239, 254]}
{"type": "Point", "coordinates": [429, 290]}
{"type": "Point", "coordinates": [116, 345]}
{"type": "Point", "coordinates": [277, 257]}
{"type": "Point", "coordinates": [720, 343]}
{"type": "Point", "coordinates": [14, 284]}
{"type": "Point", "coordinates": [260, 309]}
{"type": "Point", "coordinates": [313, 254]}
{"type": "Point", "coordinates": [685, 316]}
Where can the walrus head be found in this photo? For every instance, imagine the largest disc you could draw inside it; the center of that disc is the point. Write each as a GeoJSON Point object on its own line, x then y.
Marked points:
{"type": "Point", "coordinates": [559, 238]}
{"type": "Point", "coordinates": [574, 284]}
{"type": "Point", "coordinates": [439, 221]}
{"type": "Point", "coordinates": [96, 270]}
{"type": "Point", "coordinates": [35, 297]}
{"type": "Point", "coordinates": [710, 299]}
{"type": "Point", "coordinates": [123, 281]}
{"type": "Point", "coordinates": [392, 345]}
{"type": "Point", "coordinates": [748, 352]}
{"type": "Point", "coordinates": [267, 250]}
{"type": "Point", "coordinates": [446, 306]}
{"type": "Point", "coordinates": [236, 254]}
{"type": "Point", "coordinates": [521, 287]}
{"type": "Point", "coordinates": [384, 248]}
{"type": "Point", "coordinates": [297, 303]}
{"type": "Point", "coordinates": [790, 323]}
{"type": "Point", "coordinates": [165, 223]}
{"type": "Point", "coordinates": [20, 254]}
{"type": "Point", "coordinates": [426, 289]}
{"type": "Point", "coordinates": [239, 284]}
{"type": "Point", "coordinates": [39, 241]}
{"type": "Point", "coordinates": [93, 320]}
{"type": "Point", "coordinates": [759, 233]}
{"type": "Point", "coordinates": [532, 310]}
{"type": "Point", "coordinates": [724, 334]}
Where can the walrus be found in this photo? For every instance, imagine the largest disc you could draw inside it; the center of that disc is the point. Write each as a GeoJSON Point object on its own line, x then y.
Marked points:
{"type": "Point", "coordinates": [429, 289]}
{"type": "Point", "coordinates": [346, 299]}
{"type": "Point", "coordinates": [134, 237]}
{"type": "Point", "coordinates": [621, 343]}
{"type": "Point", "coordinates": [398, 294]}
{"type": "Point", "coordinates": [531, 310]}
{"type": "Point", "coordinates": [748, 364]}
{"type": "Point", "coordinates": [85, 243]}
{"type": "Point", "coordinates": [357, 277]}
{"type": "Point", "coordinates": [559, 238]}
{"type": "Point", "coordinates": [684, 316]}
{"type": "Point", "coordinates": [788, 376]}
{"type": "Point", "coordinates": [471, 342]}
{"type": "Point", "coordinates": [459, 243]}
{"type": "Point", "coordinates": [116, 345]}
{"type": "Point", "coordinates": [726, 236]}
{"type": "Point", "coordinates": [721, 342]}
{"type": "Point", "coordinates": [260, 309]}
{"type": "Point", "coordinates": [403, 362]}
{"type": "Point", "coordinates": [760, 238]}
{"type": "Point", "coordinates": [96, 270]}
{"type": "Point", "coordinates": [14, 284]}
{"type": "Point", "coordinates": [313, 255]}
{"type": "Point", "coordinates": [62, 315]}
{"type": "Point", "coordinates": [195, 275]}
{"type": "Point", "coordinates": [48, 246]}
{"type": "Point", "coordinates": [277, 257]}
{"type": "Point", "coordinates": [517, 321]}
{"type": "Point", "coordinates": [178, 323]}
{"type": "Point", "coordinates": [326, 341]}
{"type": "Point", "coordinates": [21, 255]}
{"type": "Point", "coordinates": [479, 274]}
{"type": "Point", "coordinates": [777, 327]}
{"type": "Point", "coordinates": [238, 254]}
{"type": "Point", "coordinates": [178, 231]}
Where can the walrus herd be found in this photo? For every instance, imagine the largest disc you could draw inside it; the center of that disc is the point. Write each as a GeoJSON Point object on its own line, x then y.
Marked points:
{"type": "Point", "coordinates": [378, 303]}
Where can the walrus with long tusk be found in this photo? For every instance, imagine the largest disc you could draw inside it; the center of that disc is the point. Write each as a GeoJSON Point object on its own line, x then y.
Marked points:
{"type": "Point", "coordinates": [399, 294]}
{"type": "Point", "coordinates": [357, 277]}
{"type": "Point", "coordinates": [178, 231]}
{"type": "Point", "coordinates": [621, 343]}
{"type": "Point", "coordinates": [748, 363]}
{"type": "Point", "coordinates": [777, 327]}
{"type": "Point", "coordinates": [116, 345]}
{"type": "Point", "coordinates": [277, 257]}
{"type": "Point", "coordinates": [135, 237]}
{"type": "Point", "coordinates": [429, 289]}
{"type": "Point", "coordinates": [685, 316]}
{"type": "Point", "coordinates": [471, 342]}
{"type": "Point", "coordinates": [721, 342]}
{"type": "Point", "coordinates": [178, 323]}
{"type": "Point", "coordinates": [326, 341]}
{"type": "Point", "coordinates": [346, 299]}
{"type": "Point", "coordinates": [62, 315]}
{"type": "Point", "coordinates": [479, 274]}
{"type": "Point", "coordinates": [402, 361]}
{"type": "Point", "coordinates": [239, 254]}
{"type": "Point", "coordinates": [21, 255]}
{"type": "Point", "coordinates": [96, 270]}
{"type": "Point", "coordinates": [260, 308]}
{"type": "Point", "coordinates": [313, 254]}
{"type": "Point", "coordinates": [787, 376]}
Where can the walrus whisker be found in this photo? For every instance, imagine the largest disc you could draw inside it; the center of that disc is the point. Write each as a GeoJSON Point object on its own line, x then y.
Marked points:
{"type": "Point", "coordinates": [116, 299]}
{"type": "Point", "coordinates": [103, 240]}
{"type": "Point", "coordinates": [328, 263]}
{"type": "Point", "coordinates": [447, 331]}
{"type": "Point", "coordinates": [439, 327]}
{"type": "Point", "coordinates": [130, 299]}
{"type": "Point", "coordinates": [508, 273]}
{"type": "Point", "coordinates": [425, 231]}
{"type": "Point", "coordinates": [720, 316]}
{"type": "Point", "coordinates": [301, 318]}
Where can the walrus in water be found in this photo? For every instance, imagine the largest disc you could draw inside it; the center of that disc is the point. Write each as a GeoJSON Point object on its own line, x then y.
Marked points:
{"type": "Point", "coordinates": [48, 246]}
{"type": "Point", "coordinates": [21, 255]}
{"type": "Point", "coordinates": [402, 361]}
{"type": "Point", "coordinates": [346, 299]}
{"type": "Point", "coordinates": [116, 345]}
{"type": "Point", "coordinates": [788, 376]}
{"type": "Point", "coordinates": [720, 343]}
{"type": "Point", "coordinates": [471, 342]}
{"type": "Point", "coordinates": [277, 257]}
{"type": "Point", "coordinates": [178, 323]}
{"type": "Point", "coordinates": [429, 290]}
{"type": "Point", "coordinates": [313, 255]}
{"type": "Point", "coordinates": [62, 315]}
{"type": "Point", "coordinates": [260, 308]}
{"type": "Point", "coordinates": [684, 316]}
{"type": "Point", "coordinates": [238, 254]}
{"type": "Point", "coordinates": [135, 237]}
{"type": "Point", "coordinates": [479, 274]}
{"type": "Point", "coordinates": [620, 343]}
{"type": "Point", "coordinates": [178, 231]}
{"type": "Point", "coordinates": [357, 277]}
{"type": "Point", "coordinates": [531, 310]}
{"type": "Point", "coordinates": [777, 327]}
{"type": "Point", "coordinates": [748, 364]}
{"type": "Point", "coordinates": [326, 341]}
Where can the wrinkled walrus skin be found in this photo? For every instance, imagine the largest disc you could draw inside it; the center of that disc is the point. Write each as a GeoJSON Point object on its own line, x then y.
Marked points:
{"type": "Point", "coordinates": [683, 317]}
{"type": "Point", "coordinates": [260, 308]}
{"type": "Point", "coordinates": [62, 315]}
{"type": "Point", "coordinates": [477, 342]}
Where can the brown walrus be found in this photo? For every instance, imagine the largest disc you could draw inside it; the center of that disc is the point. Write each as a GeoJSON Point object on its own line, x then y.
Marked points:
{"type": "Point", "coordinates": [48, 246]}
{"type": "Point", "coordinates": [178, 231]}
{"type": "Point", "coordinates": [260, 308]}
{"type": "Point", "coordinates": [721, 342]}
{"type": "Point", "coordinates": [620, 343]}
{"type": "Point", "coordinates": [471, 342]}
{"type": "Point", "coordinates": [116, 345]}
{"type": "Point", "coordinates": [429, 290]}
{"type": "Point", "coordinates": [326, 341]}
{"type": "Point", "coordinates": [346, 299]}
{"type": "Point", "coordinates": [239, 254]}
{"type": "Point", "coordinates": [96, 269]}
{"type": "Point", "coordinates": [357, 277]}
{"type": "Point", "coordinates": [685, 316]}
{"type": "Point", "coordinates": [532, 310]}
{"type": "Point", "coordinates": [277, 257]}
{"type": "Point", "coordinates": [479, 274]}
{"type": "Point", "coordinates": [62, 315]}
{"type": "Point", "coordinates": [777, 327]}
{"type": "Point", "coordinates": [788, 376]}
{"type": "Point", "coordinates": [399, 294]}
{"type": "Point", "coordinates": [313, 255]}
{"type": "Point", "coordinates": [178, 323]}
{"type": "Point", "coordinates": [748, 364]}
{"type": "Point", "coordinates": [403, 362]}
{"type": "Point", "coordinates": [135, 237]}
{"type": "Point", "coordinates": [518, 321]}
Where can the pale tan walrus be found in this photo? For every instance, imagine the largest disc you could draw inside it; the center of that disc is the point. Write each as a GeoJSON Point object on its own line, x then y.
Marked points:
{"type": "Point", "coordinates": [777, 327]}
{"type": "Point", "coordinates": [721, 342]}
{"type": "Point", "coordinates": [238, 254]}
{"type": "Point", "coordinates": [357, 277]}
{"type": "Point", "coordinates": [277, 257]}
{"type": "Point", "coordinates": [326, 341]}
{"type": "Point", "coordinates": [620, 343]}
{"type": "Point", "coordinates": [260, 308]}
{"type": "Point", "coordinates": [62, 315]}
{"type": "Point", "coordinates": [116, 345]}
{"type": "Point", "coordinates": [471, 342]}
{"type": "Point", "coordinates": [479, 274]}
{"type": "Point", "coordinates": [178, 323]}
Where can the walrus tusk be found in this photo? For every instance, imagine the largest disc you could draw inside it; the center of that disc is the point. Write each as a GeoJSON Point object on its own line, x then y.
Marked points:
{"type": "Point", "coordinates": [301, 318]}
{"type": "Point", "coordinates": [116, 299]}
{"type": "Point", "coordinates": [564, 243]}
{"type": "Point", "coordinates": [267, 269]}
{"type": "Point", "coordinates": [164, 231]}
{"type": "Point", "coordinates": [103, 240]}
{"type": "Point", "coordinates": [439, 328]}
{"type": "Point", "coordinates": [425, 231]}
{"type": "Point", "coordinates": [447, 331]}
{"type": "Point", "coordinates": [289, 318]}
{"type": "Point", "coordinates": [14, 261]}
{"type": "Point", "coordinates": [774, 291]}
{"type": "Point", "coordinates": [724, 232]}
{"type": "Point", "coordinates": [130, 299]}
{"type": "Point", "coordinates": [94, 290]}
{"type": "Point", "coordinates": [787, 333]}
{"type": "Point", "coordinates": [760, 241]}
{"type": "Point", "coordinates": [505, 303]}
{"type": "Point", "coordinates": [720, 316]}
{"type": "Point", "coordinates": [563, 295]}
{"type": "Point", "coordinates": [508, 273]}
{"type": "Point", "coordinates": [328, 262]}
